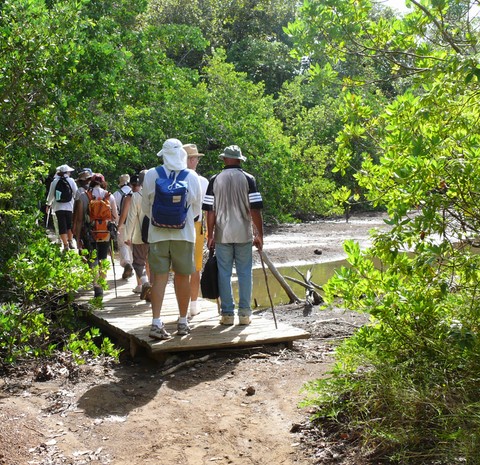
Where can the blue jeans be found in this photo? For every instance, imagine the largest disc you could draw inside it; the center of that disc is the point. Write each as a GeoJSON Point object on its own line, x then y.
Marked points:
{"type": "Point", "coordinates": [241, 256]}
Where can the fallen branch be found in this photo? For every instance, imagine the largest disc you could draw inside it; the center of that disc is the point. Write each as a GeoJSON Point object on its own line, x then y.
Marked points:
{"type": "Point", "coordinates": [186, 363]}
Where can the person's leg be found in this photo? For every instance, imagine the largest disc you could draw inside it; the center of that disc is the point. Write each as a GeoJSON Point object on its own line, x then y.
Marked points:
{"type": "Point", "coordinates": [194, 286]}
{"type": "Point", "coordinates": [139, 254]}
{"type": "Point", "coordinates": [159, 259]}
{"type": "Point", "coordinates": [125, 254]}
{"type": "Point", "coordinates": [158, 330]}
{"type": "Point", "coordinates": [62, 227]}
{"type": "Point", "coordinates": [224, 254]}
{"type": "Point", "coordinates": [158, 293]}
{"type": "Point", "coordinates": [69, 222]}
{"type": "Point", "coordinates": [182, 292]}
{"type": "Point", "coordinates": [182, 254]}
{"type": "Point", "coordinates": [102, 249]}
{"type": "Point", "coordinates": [195, 276]}
{"type": "Point", "coordinates": [243, 267]}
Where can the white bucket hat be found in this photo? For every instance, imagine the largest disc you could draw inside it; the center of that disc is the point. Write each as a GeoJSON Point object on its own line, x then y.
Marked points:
{"type": "Point", "coordinates": [65, 169]}
{"type": "Point", "coordinates": [174, 155]}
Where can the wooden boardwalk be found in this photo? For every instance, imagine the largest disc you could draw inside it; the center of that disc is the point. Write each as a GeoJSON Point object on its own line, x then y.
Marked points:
{"type": "Point", "coordinates": [128, 319]}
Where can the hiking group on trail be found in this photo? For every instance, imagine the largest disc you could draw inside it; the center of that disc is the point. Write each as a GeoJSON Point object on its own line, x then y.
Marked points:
{"type": "Point", "coordinates": [156, 220]}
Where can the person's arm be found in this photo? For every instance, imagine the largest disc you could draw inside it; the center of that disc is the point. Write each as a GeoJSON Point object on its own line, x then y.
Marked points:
{"type": "Point", "coordinates": [210, 229]}
{"type": "Point", "coordinates": [113, 207]}
{"type": "Point", "coordinates": [257, 220]}
{"type": "Point", "coordinates": [126, 206]}
{"type": "Point", "coordinates": [78, 221]}
{"type": "Point", "coordinates": [51, 194]}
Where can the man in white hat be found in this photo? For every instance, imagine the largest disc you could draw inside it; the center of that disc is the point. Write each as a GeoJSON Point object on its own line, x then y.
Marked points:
{"type": "Point", "coordinates": [171, 248]}
{"type": "Point", "coordinates": [234, 222]}
{"type": "Point", "coordinates": [60, 199]}
{"type": "Point", "coordinates": [123, 199]}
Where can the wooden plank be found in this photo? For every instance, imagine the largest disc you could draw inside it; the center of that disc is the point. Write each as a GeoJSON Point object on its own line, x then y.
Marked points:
{"type": "Point", "coordinates": [129, 318]}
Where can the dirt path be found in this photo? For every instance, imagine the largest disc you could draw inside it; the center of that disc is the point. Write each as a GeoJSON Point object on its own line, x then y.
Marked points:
{"type": "Point", "coordinates": [236, 407]}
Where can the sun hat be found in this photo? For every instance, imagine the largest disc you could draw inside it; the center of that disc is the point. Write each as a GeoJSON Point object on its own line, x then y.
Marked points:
{"type": "Point", "coordinates": [232, 151]}
{"type": "Point", "coordinates": [123, 180]}
{"type": "Point", "coordinates": [99, 178]}
{"type": "Point", "coordinates": [65, 169]}
{"type": "Point", "coordinates": [172, 147]}
{"type": "Point", "coordinates": [192, 150]}
{"type": "Point", "coordinates": [84, 174]}
{"type": "Point", "coordinates": [174, 155]}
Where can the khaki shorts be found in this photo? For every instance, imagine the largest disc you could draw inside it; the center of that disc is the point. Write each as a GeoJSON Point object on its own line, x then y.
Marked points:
{"type": "Point", "coordinates": [174, 255]}
{"type": "Point", "coordinates": [199, 242]}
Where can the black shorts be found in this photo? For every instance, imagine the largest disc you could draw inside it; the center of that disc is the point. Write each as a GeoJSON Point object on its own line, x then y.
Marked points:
{"type": "Point", "coordinates": [64, 219]}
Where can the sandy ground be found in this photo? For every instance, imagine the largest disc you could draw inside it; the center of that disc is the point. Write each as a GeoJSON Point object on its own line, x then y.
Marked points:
{"type": "Point", "coordinates": [228, 407]}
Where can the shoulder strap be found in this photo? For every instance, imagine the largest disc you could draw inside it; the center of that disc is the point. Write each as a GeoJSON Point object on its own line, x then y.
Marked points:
{"type": "Point", "coordinates": [89, 195]}
{"type": "Point", "coordinates": [161, 172]}
{"type": "Point", "coordinates": [182, 175]}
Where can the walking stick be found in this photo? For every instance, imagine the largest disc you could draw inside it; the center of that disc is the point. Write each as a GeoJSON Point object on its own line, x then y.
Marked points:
{"type": "Point", "coordinates": [268, 289]}
{"type": "Point", "coordinates": [113, 232]}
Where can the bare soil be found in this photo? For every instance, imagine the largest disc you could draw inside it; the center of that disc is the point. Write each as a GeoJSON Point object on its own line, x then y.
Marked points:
{"type": "Point", "coordinates": [227, 407]}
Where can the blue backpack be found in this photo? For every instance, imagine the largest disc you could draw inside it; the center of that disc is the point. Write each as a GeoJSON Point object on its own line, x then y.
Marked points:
{"type": "Point", "coordinates": [169, 209]}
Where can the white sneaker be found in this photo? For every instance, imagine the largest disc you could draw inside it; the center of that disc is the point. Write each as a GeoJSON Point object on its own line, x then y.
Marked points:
{"type": "Point", "coordinates": [159, 333]}
{"type": "Point", "coordinates": [138, 289]}
{"type": "Point", "coordinates": [244, 320]}
{"type": "Point", "coordinates": [227, 320]}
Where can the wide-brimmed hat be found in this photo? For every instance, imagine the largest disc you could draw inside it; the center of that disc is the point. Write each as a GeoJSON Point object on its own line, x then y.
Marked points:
{"type": "Point", "coordinates": [84, 175]}
{"type": "Point", "coordinates": [97, 177]}
{"type": "Point", "coordinates": [232, 151]}
{"type": "Point", "coordinates": [65, 169]}
{"type": "Point", "coordinates": [172, 147]}
{"type": "Point", "coordinates": [192, 150]}
{"type": "Point", "coordinates": [123, 180]}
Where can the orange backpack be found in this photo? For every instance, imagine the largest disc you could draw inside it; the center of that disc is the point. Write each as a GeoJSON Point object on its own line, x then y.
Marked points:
{"type": "Point", "coordinates": [99, 216]}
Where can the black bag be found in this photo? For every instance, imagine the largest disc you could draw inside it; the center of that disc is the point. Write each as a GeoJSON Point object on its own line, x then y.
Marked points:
{"type": "Point", "coordinates": [63, 190]}
{"type": "Point", "coordinates": [144, 229]}
{"type": "Point", "coordinates": [209, 278]}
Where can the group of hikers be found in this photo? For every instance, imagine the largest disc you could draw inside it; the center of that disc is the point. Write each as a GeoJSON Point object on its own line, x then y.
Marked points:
{"type": "Point", "coordinates": [157, 219]}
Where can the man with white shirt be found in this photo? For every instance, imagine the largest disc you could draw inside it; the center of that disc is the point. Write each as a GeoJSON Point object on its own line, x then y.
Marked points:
{"type": "Point", "coordinates": [171, 248]}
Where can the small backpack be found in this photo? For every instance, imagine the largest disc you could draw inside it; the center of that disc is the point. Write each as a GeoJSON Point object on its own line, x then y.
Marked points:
{"type": "Point", "coordinates": [169, 209]}
{"type": "Point", "coordinates": [99, 215]}
{"type": "Point", "coordinates": [63, 190]}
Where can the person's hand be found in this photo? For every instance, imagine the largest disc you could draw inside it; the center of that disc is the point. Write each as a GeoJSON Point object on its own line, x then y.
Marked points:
{"type": "Point", "coordinates": [210, 243]}
{"type": "Point", "coordinates": [258, 242]}
{"type": "Point", "coordinates": [128, 242]}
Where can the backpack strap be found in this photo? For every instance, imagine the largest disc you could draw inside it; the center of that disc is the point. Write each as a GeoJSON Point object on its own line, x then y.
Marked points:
{"type": "Point", "coordinates": [163, 174]}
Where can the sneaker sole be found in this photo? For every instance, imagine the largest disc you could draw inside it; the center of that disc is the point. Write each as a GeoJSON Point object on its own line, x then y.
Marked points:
{"type": "Point", "coordinates": [159, 338]}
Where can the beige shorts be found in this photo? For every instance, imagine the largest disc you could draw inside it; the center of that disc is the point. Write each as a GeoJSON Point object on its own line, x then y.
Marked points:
{"type": "Point", "coordinates": [171, 255]}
